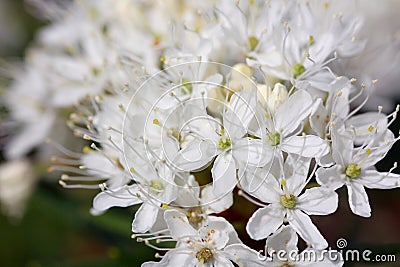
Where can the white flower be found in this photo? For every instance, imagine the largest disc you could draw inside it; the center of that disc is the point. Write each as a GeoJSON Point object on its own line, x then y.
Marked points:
{"type": "Point", "coordinates": [26, 100]}
{"type": "Point", "coordinates": [285, 239]}
{"type": "Point", "coordinates": [288, 203]}
{"type": "Point", "coordinates": [301, 41]}
{"type": "Point", "coordinates": [17, 181]}
{"type": "Point", "coordinates": [280, 130]}
{"type": "Point", "coordinates": [203, 247]}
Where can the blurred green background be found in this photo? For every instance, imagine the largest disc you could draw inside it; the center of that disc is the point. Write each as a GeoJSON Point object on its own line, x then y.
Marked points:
{"type": "Point", "coordinates": [57, 229]}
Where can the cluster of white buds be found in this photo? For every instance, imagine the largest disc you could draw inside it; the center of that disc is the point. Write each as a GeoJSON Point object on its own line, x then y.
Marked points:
{"type": "Point", "coordinates": [187, 103]}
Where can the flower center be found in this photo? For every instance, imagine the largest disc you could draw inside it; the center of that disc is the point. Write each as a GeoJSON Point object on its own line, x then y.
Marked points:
{"type": "Point", "coordinates": [353, 171]}
{"type": "Point", "coordinates": [187, 86]}
{"type": "Point", "coordinates": [298, 69]}
{"type": "Point", "coordinates": [253, 41]}
{"type": "Point", "coordinates": [274, 138]}
{"type": "Point", "coordinates": [204, 255]}
{"type": "Point", "coordinates": [224, 143]}
{"type": "Point", "coordinates": [175, 133]}
{"type": "Point", "coordinates": [288, 201]}
{"type": "Point", "coordinates": [156, 186]}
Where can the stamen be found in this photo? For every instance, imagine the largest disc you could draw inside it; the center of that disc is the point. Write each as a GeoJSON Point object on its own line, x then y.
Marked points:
{"type": "Point", "coordinates": [81, 186]}
{"type": "Point", "coordinates": [249, 198]}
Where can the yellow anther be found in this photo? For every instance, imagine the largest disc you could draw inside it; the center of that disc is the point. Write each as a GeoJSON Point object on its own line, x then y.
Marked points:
{"type": "Point", "coordinates": [368, 151]}
{"type": "Point", "coordinates": [253, 42]}
{"type": "Point", "coordinates": [353, 171]}
{"type": "Point", "coordinates": [86, 149]}
{"type": "Point", "coordinates": [288, 201]}
{"type": "Point", "coordinates": [370, 128]}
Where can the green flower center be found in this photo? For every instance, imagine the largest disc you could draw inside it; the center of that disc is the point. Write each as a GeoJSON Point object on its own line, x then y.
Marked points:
{"type": "Point", "coordinates": [156, 185]}
{"type": "Point", "coordinates": [204, 255]}
{"type": "Point", "coordinates": [288, 201]}
{"type": "Point", "coordinates": [298, 69]}
{"type": "Point", "coordinates": [274, 138]}
{"type": "Point", "coordinates": [188, 88]}
{"type": "Point", "coordinates": [353, 171]}
{"type": "Point", "coordinates": [253, 41]}
{"type": "Point", "coordinates": [224, 143]}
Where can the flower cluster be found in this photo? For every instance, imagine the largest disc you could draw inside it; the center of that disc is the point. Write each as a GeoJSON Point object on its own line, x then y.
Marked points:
{"type": "Point", "coordinates": [186, 104]}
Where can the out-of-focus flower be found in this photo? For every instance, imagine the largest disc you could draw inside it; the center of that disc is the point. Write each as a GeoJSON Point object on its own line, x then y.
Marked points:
{"type": "Point", "coordinates": [17, 180]}
{"type": "Point", "coordinates": [380, 59]}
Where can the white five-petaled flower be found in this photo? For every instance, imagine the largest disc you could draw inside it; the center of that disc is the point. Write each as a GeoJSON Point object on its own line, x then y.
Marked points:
{"type": "Point", "coordinates": [355, 168]}
{"type": "Point", "coordinates": [281, 129]}
{"type": "Point", "coordinates": [287, 202]}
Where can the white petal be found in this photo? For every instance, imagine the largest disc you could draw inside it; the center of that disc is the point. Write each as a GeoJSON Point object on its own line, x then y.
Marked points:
{"type": "Point", "coordinates": [214, 204]}
{"type": "Point", "coordinates": [243, 104]}
{"type": "Point", "coordinates": [178, 224]}
{"type": "Point", "coordinates": [284, 239]}
{"type": "Point", "coordinates": [379, 180]}
{"type": "Point", "coordinates": [360, 125]}
{"type": "Point", "coordinates": [31, 135]}
{"type": "Point", "coordinates": [318, 201]}
{"type": "Point", "coordinates": [217, 231]}
{"type": "Point", "coordinates": [309, 146]}
{"type": "Point", "coordinates": [296, 173]}
{"type": "Point", "coordinates": [260, 183]}
{"type": "Point", "coordinates": [342, 148]}
{"type": "Point", "coordinates": [176, 257]}
{"type": "Point", "coordinates": [170, 147]}
{"type": "Point", "coordinates": [264, 222]}
{"type": "Point", "coordinates": [253, 152]}
{"type": "Point", "coordinates": [195, 155]}
{"type": "Point", "coordinates": [220, 261]}
{"type": "Point", "coordinates": [326, 160]}
{"type": "Point", "coordinates": [329, 177]}
{"type": "Point", "coordinates": [358, 200]}
{"type": "Point", "coordinates": [234, 128]}
{"type": "Point", "coordinates": [144, 218]}
{"type": "Point", "coordinates": [123, 197]}
{"type": "Point", "coordinates": [226, 227]}
{"type": "Point", "coordinates": [382, 144]}
{"type": "Point", "coordinates": [243, 255]}
{"type": "Point", "coordinates": [189, 191]}
{"type": "Point", "coordinates": [318, 117]}
{"type": "Point", "coordinates": [292, 112]}
{"type": "Point", "coordinates": [306, 229]}
{"type": "Point", "coordinates": [224, 174]}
